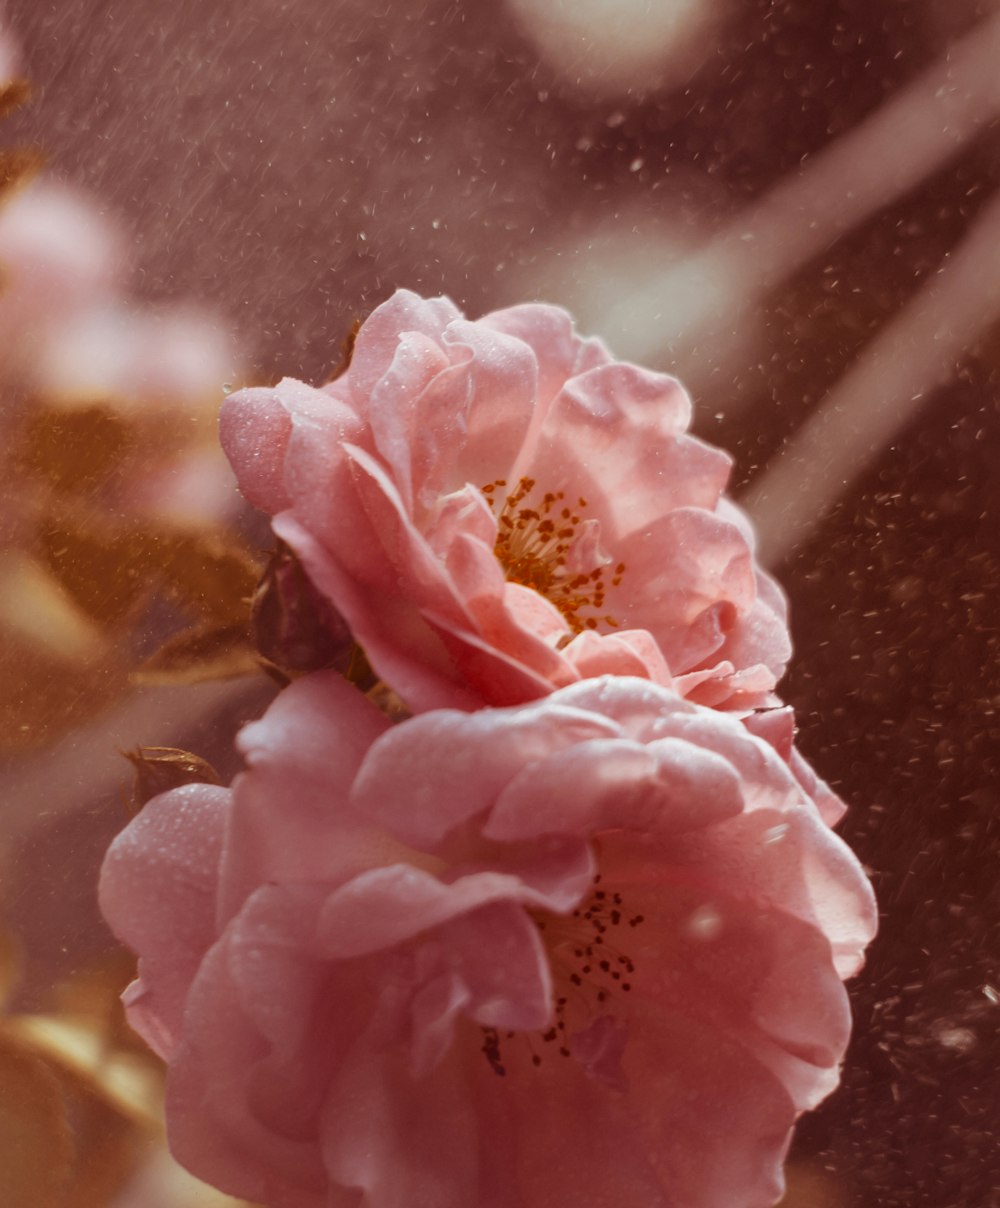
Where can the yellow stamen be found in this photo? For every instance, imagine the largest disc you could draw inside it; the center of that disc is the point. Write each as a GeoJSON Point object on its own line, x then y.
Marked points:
{"type": "Point", "coordinates": [534, 545]}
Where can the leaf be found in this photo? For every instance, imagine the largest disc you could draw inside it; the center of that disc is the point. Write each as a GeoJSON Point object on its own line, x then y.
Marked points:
{"type": "Point", "coordinates": [36, 1144]}
{"type": "Point", "coordinates": [42, 695]}
{"type": "Point", "coordinates": [98, 566]}
{"type": "Point", "coordinates": [210, 573]}
{"type": "Point", "coordinates": [203, 652]}
{"type": "Point", "coordinates": [74, 450]}
{"type": "Point", "coordinates": [13, 95]}
{"type": "Point", "coordinates": [158, 769]}
{"type": "Point", "coordinates": [110, 1103]}
{"type": "Point", "coordinates": [17, 167]}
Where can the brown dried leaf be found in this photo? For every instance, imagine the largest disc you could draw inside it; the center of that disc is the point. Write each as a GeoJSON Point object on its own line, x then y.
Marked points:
{"type": "Point", "coordinates": [42, 695]}
{"type": "Point", "coordinates": [17, 167]}
{"type": "Point", "coordinates": [73, 450]}
{"type": "Point", "coordinates": [110, 1101]}
{"type": "Point", "coordinates": [80, 1055]}
{"type": "Point", "coordinates": [109, 567]}
{"type": "Point", "coordinates": [13, 95]}
{"type": "Point", "coordinates": [158, 769]}
{"type": "Point", "coordinates": [203, 652]}
{"type": "Point", "coordinates": [97, 567]}
{"type": "Point", "coordinates": [207, 572]}
{"type": "Point", "coordinates": [36, 1144]}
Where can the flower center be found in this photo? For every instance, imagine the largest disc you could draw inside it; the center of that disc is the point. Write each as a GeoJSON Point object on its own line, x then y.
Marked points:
{"type": "Point", "coordinates": [541, 548]}
{"type": "Point", "coordinates": [589, 971]}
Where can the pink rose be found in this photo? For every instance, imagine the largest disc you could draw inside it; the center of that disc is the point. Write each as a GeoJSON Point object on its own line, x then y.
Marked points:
{"type": "Point", "coordinates": [498, 508]}
{"type": "Point", "coordinates": [584, 951]}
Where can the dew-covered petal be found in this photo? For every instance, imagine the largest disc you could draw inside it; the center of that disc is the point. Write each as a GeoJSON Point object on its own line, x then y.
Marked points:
{"type": "Point", "coordinates": [604, 784]}
{"type": "Point", "coordinates": [288, 823]}
{"type": "Point", "coordinates": [424, 779]}
{"type": "Point", "coordinates": [246, 1087]}
{"type": "Point", "coordinates": [158, 893]}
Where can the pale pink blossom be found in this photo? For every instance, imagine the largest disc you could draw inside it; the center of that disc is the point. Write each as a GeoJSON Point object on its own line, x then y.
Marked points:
{"type": "Point", "coordinates": [498, 508]}
{"type": "Point", "coordinates": [59, 255]}
{"type": "Point", "coordinates": [583, 951]}
{"type": "Point", "coordinates": [11, 59]}
{"type": "Point", "coordinates": [141, 359]}
{"type": "Point", "coordinates": [72, 336]}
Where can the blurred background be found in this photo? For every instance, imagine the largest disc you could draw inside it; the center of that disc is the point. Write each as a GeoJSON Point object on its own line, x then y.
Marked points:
{"type": "Point", "coordinates": [791, 205]}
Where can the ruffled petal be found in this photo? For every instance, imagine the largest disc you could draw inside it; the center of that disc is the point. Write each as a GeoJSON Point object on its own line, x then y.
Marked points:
{"type": "Point", "coordinates": [157, 891]}
{"type": "Point", "coordinates": [286, 823]}
{"type": "Point", "coordinates": [245, 1088]}
{"type": "Point", "coordinates": [423, 780]}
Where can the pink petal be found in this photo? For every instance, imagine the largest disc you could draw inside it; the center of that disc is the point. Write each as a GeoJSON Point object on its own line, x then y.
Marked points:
{"type": "Point", "coordinates": [377, 340]}
{"type": "Point", "coordinates": [616, 437]}
{"type": "Point", "coordinates": [465, 512]}
{"type": "Point", "coordinates": [404, 647]}
{"type": "Point", "coordinates": [424, 779]}
{"type": "Point", "coordinates": [255, 428]}
{"type": "Point", "coordinates": [393, 407]}
{"type": "Point", "coordinates": [631, 652]}
{"type": "Point", "coordinates": [607, 784]}
{"type": "Point", "coordinates": [791, 861]}
{"type": "Point", "coordinates": [776, 727]}
{"type": "Point", "coordinates": [245, 1089]}
{"type": "Point", "coordinates": [761, 636]}
{"type": "Point", "coordinates": [286, 823]}
{"type": "Point", "coordinates": [501, 387]}
{"type": "Point", "coordinates": [599, 1049]}
{"type": "Point", "coordinates": [495, 676]}
{"type": "Point", "coordinates": [830, 806]}
{"type": "Point", "coordinates": [559, 354]}
{"type": "Point", "coordinates": [687, 578]}
{"type": "Point", "coordinates": [401, 1141]}
{"type": "Point", "coordinates": [157, 891]}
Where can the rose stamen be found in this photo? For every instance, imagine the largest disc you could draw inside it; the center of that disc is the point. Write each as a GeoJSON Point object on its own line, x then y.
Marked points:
{"type": "Point", "coordinates": [534, 545]}
{"type": "Point", "coordinates": [587, 970]}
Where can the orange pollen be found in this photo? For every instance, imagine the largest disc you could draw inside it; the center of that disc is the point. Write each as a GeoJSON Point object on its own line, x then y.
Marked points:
{"type": "Point", "coordinates": [534, 546]}
{"type": "Point", "coordinates": [588, 967]}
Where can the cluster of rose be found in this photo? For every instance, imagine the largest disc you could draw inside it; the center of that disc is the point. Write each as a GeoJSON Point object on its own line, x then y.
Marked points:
{"type": "Point", "coordinates": [527, 899]}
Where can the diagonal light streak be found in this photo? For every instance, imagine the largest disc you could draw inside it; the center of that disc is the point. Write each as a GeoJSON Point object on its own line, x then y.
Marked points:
{"type": "Point", "coordinates": [691, 316]}
{"type": "Point", "coordinates": [87, 765]}
{"type": "Point", "coordinates": [896, 373]}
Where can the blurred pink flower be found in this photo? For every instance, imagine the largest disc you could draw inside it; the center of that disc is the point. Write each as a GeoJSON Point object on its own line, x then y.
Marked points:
{"type": "Point", "coordinates": [59, 256]}
{"type": "Point", "coordinates": [498, 508]}
{"type": "Point", "coordinates": [71, 336]}
{"type": "Point", "coordinates": [176, 359]}
{"type": "Point", "coordinates": [11, 61]}
{"type": "Point", "coordinates": [584, 951]}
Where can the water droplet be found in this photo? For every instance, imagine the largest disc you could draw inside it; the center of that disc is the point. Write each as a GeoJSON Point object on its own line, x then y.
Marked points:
{"type": "Point", "coordinates": [705, 923]}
